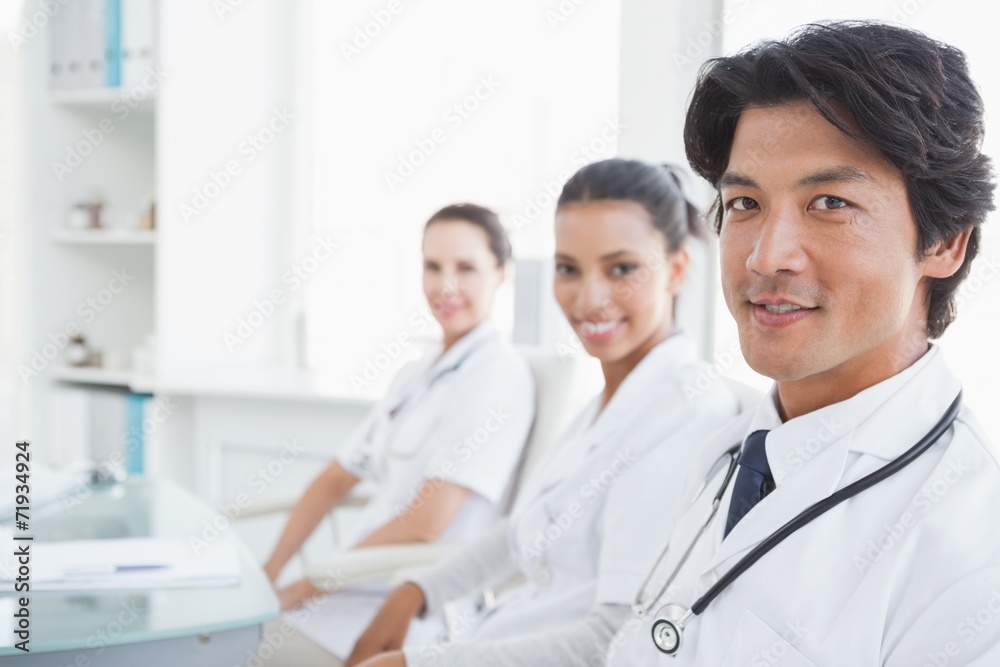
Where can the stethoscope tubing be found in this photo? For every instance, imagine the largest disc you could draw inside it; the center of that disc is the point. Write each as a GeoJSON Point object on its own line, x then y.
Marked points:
{"type": "Point", "coordinates": [822, 506]}
{"type": "Point", "coordinates": [673, 617]}
{"type": "Point", "coordinates": [794, 524]}
{"type": "Point", "coordinates": [733, 454]}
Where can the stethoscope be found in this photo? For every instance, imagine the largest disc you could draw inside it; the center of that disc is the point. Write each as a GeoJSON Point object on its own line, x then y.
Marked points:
{"type": "Point", "coordinates": [668, 625]}
{"type": "Point", "coordinates": [411, 394]}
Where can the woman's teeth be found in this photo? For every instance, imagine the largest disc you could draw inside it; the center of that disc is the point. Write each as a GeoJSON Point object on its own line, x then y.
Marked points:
{"type": "Point", "coordinates": [597, 328]}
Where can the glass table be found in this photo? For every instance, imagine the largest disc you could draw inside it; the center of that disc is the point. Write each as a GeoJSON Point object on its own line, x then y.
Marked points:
{"type": "Point", "coordinates": [177, 626]}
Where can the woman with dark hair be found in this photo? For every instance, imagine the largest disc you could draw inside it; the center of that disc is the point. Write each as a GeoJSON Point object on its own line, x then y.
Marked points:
{"type": "Point", "coordinates": [430, 484]}
{"type": "Point", "coordinates": [621, 228]}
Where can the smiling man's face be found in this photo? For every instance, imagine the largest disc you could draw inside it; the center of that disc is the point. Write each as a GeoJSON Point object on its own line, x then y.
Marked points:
{"type": "Point", "coordinates": [818, 247]}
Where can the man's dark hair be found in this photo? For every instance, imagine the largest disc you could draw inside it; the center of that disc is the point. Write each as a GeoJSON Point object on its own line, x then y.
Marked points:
{"type": "Point", "coordinates": [909, 95]}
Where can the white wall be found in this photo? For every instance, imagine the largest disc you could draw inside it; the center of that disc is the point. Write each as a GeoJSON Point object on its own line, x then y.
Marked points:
{"type": "Point", "coordinates": [225, 77]}
{"type": "Point", "coordinates": [554, 91]}
{"type": "Point", "coordinates": [662, 46]}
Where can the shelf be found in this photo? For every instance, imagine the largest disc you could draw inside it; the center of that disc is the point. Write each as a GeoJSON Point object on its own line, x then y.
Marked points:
{"type": "Point", "coordinates": [86, 375]}
{"type": "Point", "coordinates": [108, 236]}
{"type": "Point", "coordinates": [263, 385]}
{"type": "Point", "coordinates": [97, 97]}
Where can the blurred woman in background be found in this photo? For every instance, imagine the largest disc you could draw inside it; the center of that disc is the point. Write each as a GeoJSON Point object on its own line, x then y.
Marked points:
{"type": "Point", "coordinates": [413, 445]}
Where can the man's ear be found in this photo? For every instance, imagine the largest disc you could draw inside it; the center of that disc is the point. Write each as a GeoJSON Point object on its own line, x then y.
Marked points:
{"type": "Point", "coordinates": [945, 257]}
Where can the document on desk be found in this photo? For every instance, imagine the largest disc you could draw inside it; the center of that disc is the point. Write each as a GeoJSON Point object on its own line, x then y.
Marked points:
{"type": "Point", "coordinates": [127, 563]}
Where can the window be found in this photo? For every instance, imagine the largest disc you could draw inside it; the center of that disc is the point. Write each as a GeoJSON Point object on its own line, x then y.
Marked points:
{"type": "Point", "coordinates": [431, 105]}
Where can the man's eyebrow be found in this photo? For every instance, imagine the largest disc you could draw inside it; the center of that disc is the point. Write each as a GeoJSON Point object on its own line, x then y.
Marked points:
{"type": "Point", "coordinates": [603, 258]}
{"type": "Point", "coordinates": [838, 174]}
{"type": "Point", "coordinates": [733, 179]}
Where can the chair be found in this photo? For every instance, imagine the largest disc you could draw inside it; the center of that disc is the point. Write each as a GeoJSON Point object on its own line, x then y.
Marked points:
{"type": "Point", "coordinates": [563, 383]}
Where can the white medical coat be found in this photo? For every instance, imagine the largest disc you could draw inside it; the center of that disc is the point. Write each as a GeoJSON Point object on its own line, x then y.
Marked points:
{"type": "Point", "coordinates": [462, 417]}
{"type": "Point", "coordinates": [905, 574]}
{"type": "Point", "coordinates": [567, 534]}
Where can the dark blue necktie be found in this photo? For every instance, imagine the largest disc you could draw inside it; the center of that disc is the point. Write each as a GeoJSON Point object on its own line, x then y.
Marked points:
{"type": "Point", "coordinates": [753, 481]}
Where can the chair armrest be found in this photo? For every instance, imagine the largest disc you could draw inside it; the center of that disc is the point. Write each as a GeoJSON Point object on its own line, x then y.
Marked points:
{"type": "Point", "coordinates": [266, 507]}
{"type": "Point", "coordinates": [278, 505]}
{"type": "Point", "coordinates": [367, 563]}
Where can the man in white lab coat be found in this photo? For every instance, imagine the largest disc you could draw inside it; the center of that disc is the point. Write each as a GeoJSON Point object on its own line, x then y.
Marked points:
{"type": "Point", "coordinates": [852, 188]}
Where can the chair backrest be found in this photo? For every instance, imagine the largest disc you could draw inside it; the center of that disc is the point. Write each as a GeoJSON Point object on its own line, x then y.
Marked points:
{"type": "Point", "coordinates": [747, 395]}
{"type": "Point", "coordinates": [563, 385]}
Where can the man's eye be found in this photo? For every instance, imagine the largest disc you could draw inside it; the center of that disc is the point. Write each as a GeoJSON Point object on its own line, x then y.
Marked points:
{"type": "Point", "coordinates": [743, 204]}
{"type": "Point", "coordinates": [829, 202]}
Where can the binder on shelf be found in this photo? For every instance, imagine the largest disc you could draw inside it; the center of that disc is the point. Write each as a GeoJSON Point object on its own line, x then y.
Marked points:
{"type": "Point", "coordinates": [135, 441]}
{"type": "Point", "coordinates": [112, 43]}
{"type": "Point", "coordinates": [88, 42]}
{"type": "Point", "coordinates": [137, 40]}
{"type": "Point", "coordinates": [65, 66]}
{"type": "Point", "coordinates": [91, 53]}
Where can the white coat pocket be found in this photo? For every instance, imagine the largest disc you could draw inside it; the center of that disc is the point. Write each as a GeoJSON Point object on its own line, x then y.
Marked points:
{"type": "Point", "coordinates": [756, 644]}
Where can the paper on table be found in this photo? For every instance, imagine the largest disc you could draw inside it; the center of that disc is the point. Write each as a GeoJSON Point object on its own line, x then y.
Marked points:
{"type": "Point", "coordinates": [77, 565]}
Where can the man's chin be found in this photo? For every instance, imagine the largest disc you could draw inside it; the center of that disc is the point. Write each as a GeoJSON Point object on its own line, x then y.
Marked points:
{"type": "Point", "coordinates": [780, 368]}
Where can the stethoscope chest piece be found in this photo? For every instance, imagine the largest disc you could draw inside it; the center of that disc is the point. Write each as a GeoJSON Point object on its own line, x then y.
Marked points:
{"type": "Point", "coordinates": [668, 628]}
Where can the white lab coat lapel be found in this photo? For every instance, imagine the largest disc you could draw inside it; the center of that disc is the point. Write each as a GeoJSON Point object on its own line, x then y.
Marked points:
{"type": "Point", "coordinates": [702, 485]}
{"type": "Point", "coordinates": [867, 423]}
{"type": "Point", "coordinates": [779, 507]}
{"type": "Point", "coordinates": [588, 434]}
{"type": "Point", "coordinates": [638, 389]}
{"type": "Point", "coordinates": [461, 350]}
{"type": "Point", "coordinates": [398, 417]}
{"type": "Point", "coordinates": [559, 464]}
{"type": "Point", "coordinates": [585, 438]}
{"type": "Point", "coordinates": [910, 413]}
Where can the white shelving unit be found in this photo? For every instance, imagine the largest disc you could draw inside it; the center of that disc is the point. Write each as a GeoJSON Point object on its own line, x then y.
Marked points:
{"type": "Point", "coordinates": [101, 282]}
{"type": "Point", "coordinates": [109, 236]}
{"type": "Point", "coordinates": [88, 375]}
{"type": "Point", "coordinates": [98, 97]}
{"type": "Point", "coordinates": [219, 85]}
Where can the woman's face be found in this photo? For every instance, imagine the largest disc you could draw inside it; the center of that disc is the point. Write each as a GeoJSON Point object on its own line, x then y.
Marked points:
{"type": "Point", "coordinates": [461, 275]}
{"type": "Point", "coordinates": [614, 277]}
